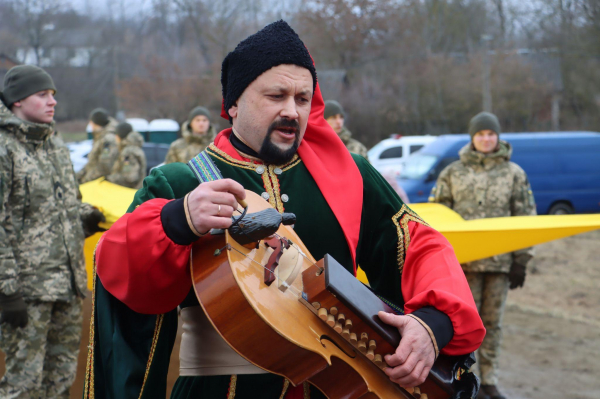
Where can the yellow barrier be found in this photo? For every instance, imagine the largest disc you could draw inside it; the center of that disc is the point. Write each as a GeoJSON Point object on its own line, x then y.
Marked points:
{"type": "Point", "coordinates": [471, 239]}
{"type": "Point", "coordinates": [113, 200]}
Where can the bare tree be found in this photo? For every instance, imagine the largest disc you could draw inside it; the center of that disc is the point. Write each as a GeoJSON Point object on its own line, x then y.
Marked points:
{"type": "Point", "coordinates": [38, 27]}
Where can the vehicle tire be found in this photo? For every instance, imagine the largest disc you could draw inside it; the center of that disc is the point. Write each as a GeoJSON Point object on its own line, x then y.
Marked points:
{"type": "Point", "coordinates": [561, 208]}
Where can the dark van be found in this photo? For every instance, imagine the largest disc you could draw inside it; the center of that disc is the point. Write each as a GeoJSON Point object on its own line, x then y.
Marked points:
{"type": "Point", "coordinates": [563, 168]}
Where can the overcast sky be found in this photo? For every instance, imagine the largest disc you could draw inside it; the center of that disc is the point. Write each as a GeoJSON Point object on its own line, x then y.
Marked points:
{"type": "Point", "coordinates": [137, 7]}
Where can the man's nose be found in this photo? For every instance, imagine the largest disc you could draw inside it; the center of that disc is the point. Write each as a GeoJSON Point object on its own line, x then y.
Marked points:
{"type": "Point", "coordinates": [289, 110]}
{"type": "Point", "coordinates": [52, 101]}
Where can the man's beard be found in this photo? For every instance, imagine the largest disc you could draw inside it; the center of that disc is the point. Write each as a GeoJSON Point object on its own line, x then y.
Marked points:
{"type": "Point", "coordinates": [272, 154]}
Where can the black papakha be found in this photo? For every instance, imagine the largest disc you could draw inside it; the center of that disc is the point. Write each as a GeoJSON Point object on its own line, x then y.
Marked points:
{"type": "Point", "coordinates": [275, 44]}
{"type": "Point", "coordinates": [100, 117]}
{"type": "Point", "coordinates": [484, 121]}
{"type": "Point", "coordinates": [22, 81]}
{"type": "Point", "coordinates": [333, 108]}
{"type": "Point", "coordinates": [123, 129]}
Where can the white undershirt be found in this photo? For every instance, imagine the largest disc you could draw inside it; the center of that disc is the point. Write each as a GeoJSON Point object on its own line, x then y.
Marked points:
{"type": "Point", "coordinates": [204, 352]}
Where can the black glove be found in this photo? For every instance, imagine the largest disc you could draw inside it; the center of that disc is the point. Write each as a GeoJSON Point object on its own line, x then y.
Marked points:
{"type": "Point", "coordinates": [516, 275]}
{"type": "Point", "coordinates": [90, 222]}
{"type": "Point", "coordinates": [14, 310]}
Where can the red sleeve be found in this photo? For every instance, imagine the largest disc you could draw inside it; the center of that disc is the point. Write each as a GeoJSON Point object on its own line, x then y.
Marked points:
{"type": "Point", "coordinates": [432, 276]}
{"type": "Point", "coordinates": [142, 267]}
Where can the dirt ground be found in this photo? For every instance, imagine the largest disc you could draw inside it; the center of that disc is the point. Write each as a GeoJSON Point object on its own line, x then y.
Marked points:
{"type": "Point", "coordinates": [551, 346]}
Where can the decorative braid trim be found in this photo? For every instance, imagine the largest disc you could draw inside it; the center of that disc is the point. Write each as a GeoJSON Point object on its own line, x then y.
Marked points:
{"type": "Point", "coordinates": [88, 390]}
{"type": "Point", "coordinates": [306, 386]}
{"type": "Point", "coordinates": [228, 159]}
{"type": "Point", "coordinates": [232, 386]}
{"type": "Point", "coordinates": [395, 308]}
{"type": "Point", "coordinates": [204, 168]}
{"type": "Point", "coordinates": [273, 200]}
{"type": "Point", "coordinates": [286, 385]}
{"type": "Point", "coordinates": [159, 321]}
{"type": "Point", "coordinates": [401, 220]}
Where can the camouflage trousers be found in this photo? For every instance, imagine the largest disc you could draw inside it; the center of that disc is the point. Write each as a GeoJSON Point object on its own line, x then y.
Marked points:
{"type": "Point", "coordinates": [489, 291]}
{"type": "Point", "coordinates": [41, 358]}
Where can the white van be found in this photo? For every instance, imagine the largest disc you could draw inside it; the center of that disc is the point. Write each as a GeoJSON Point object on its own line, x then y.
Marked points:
{"type": "Point", "coordinates": [388, 156]}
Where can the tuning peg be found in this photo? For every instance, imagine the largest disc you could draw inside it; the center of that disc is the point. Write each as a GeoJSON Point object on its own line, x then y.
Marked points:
{"type": "Point", "coordinates": [370, 354]}
{"type": "Point", "coordinates": [323, 314]}
{"type": "Point", "coordinates": [331, 320]}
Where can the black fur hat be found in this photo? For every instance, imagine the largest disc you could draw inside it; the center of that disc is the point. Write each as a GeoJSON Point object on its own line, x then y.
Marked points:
{"type": "Point", "coordinates": [274, 45]}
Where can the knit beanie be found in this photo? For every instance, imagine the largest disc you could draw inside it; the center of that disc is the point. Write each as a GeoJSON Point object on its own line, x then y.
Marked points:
{"type": "Point", "coordinates": [123, 129]}
{"type": "Point", "coordinates": [198, 111]}
{"type": "Point", "coordinates": [99, 116]}
{"type": "Point", "coordinates": [274, 45]}
{"type": "Point", "coordinates": [484, 121]}
{"type": "Point", "coordinates": [22, 81]}
{"type": "Point", "coordinates": [333, 108]}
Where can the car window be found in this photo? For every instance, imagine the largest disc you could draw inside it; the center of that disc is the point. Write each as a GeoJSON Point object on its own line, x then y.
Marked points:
{"type": "Point", "coordinates": [416, 147]}
{"type": "Point", "coordinates": [417, 166]}
{"type": "Point", "coordinates": [394, 152]}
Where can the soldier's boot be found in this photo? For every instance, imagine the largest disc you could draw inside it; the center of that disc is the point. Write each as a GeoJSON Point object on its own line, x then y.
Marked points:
{"type": "Point", "coordinates": [492, 392]}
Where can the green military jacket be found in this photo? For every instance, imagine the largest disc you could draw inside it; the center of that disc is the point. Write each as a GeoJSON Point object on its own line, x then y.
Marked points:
{"type": "Point", "coordinates": [189, 145]}
{"type": "Point", "coordinates": [103, 155]}
{"type": "Point", "coordinates": [41, 235]}
{"type": "Point", "coordinates": [130, 168]}
{"type": "Point", "coordinates": [351, 144]}
{"type": "Point", "coordinates": [487, 186]}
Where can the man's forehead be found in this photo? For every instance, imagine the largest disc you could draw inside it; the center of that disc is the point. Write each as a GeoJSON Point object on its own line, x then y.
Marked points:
{"type": "Point", "coordinates": [282, 77]}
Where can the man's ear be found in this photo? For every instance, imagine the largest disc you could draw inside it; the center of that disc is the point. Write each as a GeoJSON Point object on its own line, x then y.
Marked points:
{"type": "Point", "coordinates": [233, 110]}
{"type": "Point", "coordinates": [16, 104]}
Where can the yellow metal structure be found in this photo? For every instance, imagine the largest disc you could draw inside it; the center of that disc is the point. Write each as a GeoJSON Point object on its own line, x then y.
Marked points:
{"type": "Point", "coordinates": [471, 239]}
{"type": "Point", "coordinates": [483, 238]}
{"type": "Point", "coordinates": [113, 200]}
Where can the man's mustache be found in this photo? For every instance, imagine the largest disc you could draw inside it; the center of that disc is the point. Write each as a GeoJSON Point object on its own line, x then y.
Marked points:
{"type": "Point", "coordinates": [285, 124]}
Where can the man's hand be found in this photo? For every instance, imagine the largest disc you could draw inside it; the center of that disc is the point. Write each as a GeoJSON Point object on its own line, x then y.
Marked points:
{"type": "Point", "coordinates": [415, 355]}
{"type": "Point", "coordinates": [211, 204]}
{"type": "Point", "coordinates": [516, 275]}
{"type": "Point", "coordinates": [14, 310]}
{"type": "Point", "coordinates": [91, 220]}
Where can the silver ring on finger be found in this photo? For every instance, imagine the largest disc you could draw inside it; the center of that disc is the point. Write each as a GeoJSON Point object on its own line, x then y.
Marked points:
{"type": "Point", "coordinates": [219, 211]}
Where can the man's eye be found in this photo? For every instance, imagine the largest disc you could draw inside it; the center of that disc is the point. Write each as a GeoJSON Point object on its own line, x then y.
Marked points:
{"type": "Point", "coordinates": [276, 96]}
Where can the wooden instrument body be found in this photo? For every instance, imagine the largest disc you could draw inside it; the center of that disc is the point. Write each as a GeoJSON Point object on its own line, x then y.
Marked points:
{"type": "Point", "coordinates": [274, 329]}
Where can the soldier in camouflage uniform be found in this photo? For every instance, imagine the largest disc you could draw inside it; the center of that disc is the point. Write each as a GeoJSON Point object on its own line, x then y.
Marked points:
{"type": "Point", "coordinates": [130, 168]}
{"type": "Point", "coordinates": [335, 115]}
{"type": "Point", "coordinates": [42, 273]}
{"type": "Point", "coordinates": [197, 133]}
{"type": "Point", "coordinates": [485, 184]}
{"type": "Point", "coordinates": [105, 149]}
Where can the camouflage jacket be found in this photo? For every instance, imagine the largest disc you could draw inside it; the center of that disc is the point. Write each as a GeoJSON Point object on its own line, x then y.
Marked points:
{"type": "Point", "coordinates": [189, 145]}
{"type": "Point", "coordinates": [41, 235]}
{"type": "Point", "coordinates": [130, 168]}
{"type": "Point", "coordinates": [351, 144]}
{"type": "Point", "coordinates": [487, 186]}
{"type": "Point", "coordinates": [103, 155]}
